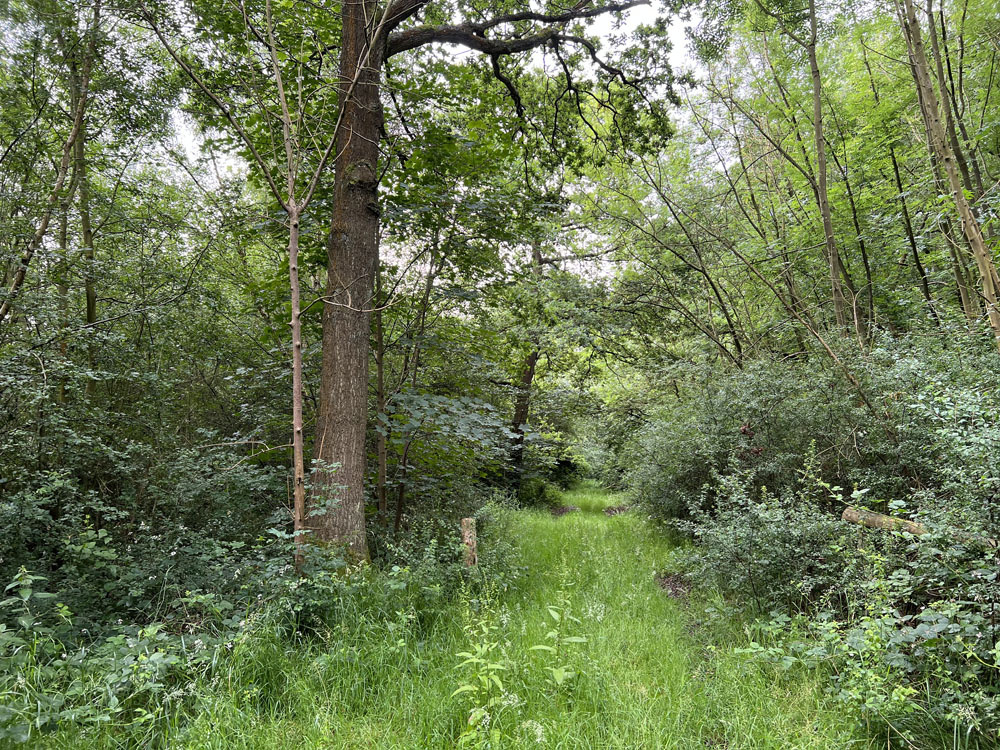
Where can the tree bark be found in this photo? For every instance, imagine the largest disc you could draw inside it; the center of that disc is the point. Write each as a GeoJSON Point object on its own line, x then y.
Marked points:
{"type": "Point", "coordinates": [382, 439]}
{"type": "Point", "coordinates": [298, 439]}
{"type": "Point", "coordinates": [87, 240]}
{"type": "Point", "coordinates": [352, 250]}
{"type": "Point", "coordinates": [832, 253]}
{"type": "Point", "coordinates": [880, 521]}
{"type": "Point", "coordinates": [522, 407]}
{"type": "Point", "coordinates": [469, 541]}
{"type": "Point", "coordinates": [367, 39]}
{"type": "Point", "coordinates": [904, 207]}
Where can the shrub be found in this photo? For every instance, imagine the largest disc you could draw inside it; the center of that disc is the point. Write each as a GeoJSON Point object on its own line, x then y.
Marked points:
{"type": "Point", "coordinates": [775, 551]}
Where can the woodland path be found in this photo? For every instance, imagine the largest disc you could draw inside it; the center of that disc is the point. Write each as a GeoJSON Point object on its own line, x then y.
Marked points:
{"type": "Point", "coordinates": [649, 677]}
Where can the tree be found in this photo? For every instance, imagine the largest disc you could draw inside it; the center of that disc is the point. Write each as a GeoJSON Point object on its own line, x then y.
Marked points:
{"type": "Point", "coordinates": [373, 34]}
{"type": "Point", "coordinates": [71, 150]}
{"type": "Point", "coordinates": [282, 91]}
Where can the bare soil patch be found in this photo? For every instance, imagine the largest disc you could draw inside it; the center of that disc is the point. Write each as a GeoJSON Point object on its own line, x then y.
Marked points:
{"type": "Point", "coordinates": [675, 584]}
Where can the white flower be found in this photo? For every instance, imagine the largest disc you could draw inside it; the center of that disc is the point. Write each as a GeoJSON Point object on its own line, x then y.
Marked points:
{"type": "Point", "coordinates": [536, 728]}
{"type": "Point", "coordinates": [510, 700]}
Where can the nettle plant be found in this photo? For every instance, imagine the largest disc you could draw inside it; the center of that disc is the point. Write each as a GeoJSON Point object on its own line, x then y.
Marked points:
{"type": "Point", "coordinates": [483, 687]}
{"type": "Point", "coordinates": [559, 672]}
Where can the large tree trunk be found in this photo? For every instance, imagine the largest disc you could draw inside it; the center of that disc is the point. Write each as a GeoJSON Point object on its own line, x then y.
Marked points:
{"type": "Point", "coordinates": [339, 451]}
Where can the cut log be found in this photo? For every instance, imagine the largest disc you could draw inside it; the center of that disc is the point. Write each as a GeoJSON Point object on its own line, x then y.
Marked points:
{"type": "Point", "coordinates": [469, 540]}
{"type": "Point", "coordinates": [881, 521]}
{"type": "Point", "coordinates": [890, 523]}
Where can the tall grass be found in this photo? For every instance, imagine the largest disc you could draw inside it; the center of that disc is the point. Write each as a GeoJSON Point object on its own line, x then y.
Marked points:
{"type": "Point", "coordinates": [587, 650]}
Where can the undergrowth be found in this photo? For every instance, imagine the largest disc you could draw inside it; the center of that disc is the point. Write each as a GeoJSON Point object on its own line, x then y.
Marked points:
{"type": "Point", "coordinates": [569, 644]}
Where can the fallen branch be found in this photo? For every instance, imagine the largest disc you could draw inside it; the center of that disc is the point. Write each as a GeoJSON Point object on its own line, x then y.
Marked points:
{"type": "Point", "coordinates": [881, 521]}
{"type": "Point", "coordinates": [890, 523]}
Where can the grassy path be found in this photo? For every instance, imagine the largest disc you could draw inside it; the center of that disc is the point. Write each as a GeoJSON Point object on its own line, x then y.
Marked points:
{"type": "Point", "coordinates": [644, 677]}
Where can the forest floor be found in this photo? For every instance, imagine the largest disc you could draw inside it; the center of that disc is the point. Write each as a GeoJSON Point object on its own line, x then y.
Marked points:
{"type": "Point", "coordinates": [637, 665]}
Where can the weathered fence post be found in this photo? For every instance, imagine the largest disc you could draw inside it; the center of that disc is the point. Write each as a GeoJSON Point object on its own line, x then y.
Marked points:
{"type": "Point", "coordinates": [469, 540]}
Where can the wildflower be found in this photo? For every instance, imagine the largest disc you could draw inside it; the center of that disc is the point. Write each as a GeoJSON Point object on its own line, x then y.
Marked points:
{"type": "Point", "coordinates": [511, 700]}
{"type": "Point", "coordinates": [535, 728]}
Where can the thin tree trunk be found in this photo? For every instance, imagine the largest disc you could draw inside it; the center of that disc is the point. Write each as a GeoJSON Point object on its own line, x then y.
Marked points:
{"type": "Point", "coordinates": [87, 240]}
{"type": "Point", "coordinates": [397, 523]}
{"type": "Point", "coordinates": [298, 439]}
{"type": "Point", "coordinates": [939, 144]}
{"type": "Point", "coordinates": [925, 287]}
{"type": "Point", "coordinates": [904, 208]}
{"type": "Point", "coordinates": [35, 242]}
{"type": "Point", "coordinates": [62, 289]}
{"type": "Point", "coordinates": [522, 401]}
{"type": "Point", "coordinates": [862, 246]}
{"type": "Point", "coordinates": [949, 122]}
{"type": "Point", "coordinates": [967, 299]}
{"type": "Point", "coordinates": [411, 368]}
{"type": "Point", "coordinates": [522, 407]}
{"type": "Point", "coordinates": [382, 438]}
{"type": "Point", "coordinates": [833, 255]}
{"type": "Point", "coordinates": [956, 98]}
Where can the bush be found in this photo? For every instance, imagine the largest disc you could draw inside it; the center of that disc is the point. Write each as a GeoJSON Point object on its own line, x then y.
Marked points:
{"type": "Point", "coordinates": [777, 552]}
{"type": "Point", "coordinates": [535, 492]}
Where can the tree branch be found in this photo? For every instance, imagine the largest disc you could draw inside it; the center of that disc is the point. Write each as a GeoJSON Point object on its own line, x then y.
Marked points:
{"type": "Point", "coordinates": [471, 35]}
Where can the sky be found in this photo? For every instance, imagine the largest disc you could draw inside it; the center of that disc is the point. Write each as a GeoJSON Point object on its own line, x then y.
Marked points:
{"type": "Point", "coordinates": [680, 57]}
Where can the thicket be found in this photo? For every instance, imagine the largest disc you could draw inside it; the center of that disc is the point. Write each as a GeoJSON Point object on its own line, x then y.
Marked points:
{"type": "Point", "coordinates": [756, 465]}
{"type": "Point", "coordinates": [808, 275]}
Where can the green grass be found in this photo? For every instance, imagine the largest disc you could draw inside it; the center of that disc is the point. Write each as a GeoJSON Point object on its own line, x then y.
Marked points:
{"type": "Point", "coordinates": [647, 675]}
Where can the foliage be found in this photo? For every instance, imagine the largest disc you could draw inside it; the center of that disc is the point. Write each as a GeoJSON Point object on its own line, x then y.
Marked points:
{"type": "Point", "coordinates": [908, 626]}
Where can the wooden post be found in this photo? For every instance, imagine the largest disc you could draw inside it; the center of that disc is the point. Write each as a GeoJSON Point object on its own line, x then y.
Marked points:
{"type": "Point", "coordinates": [469, 540]}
